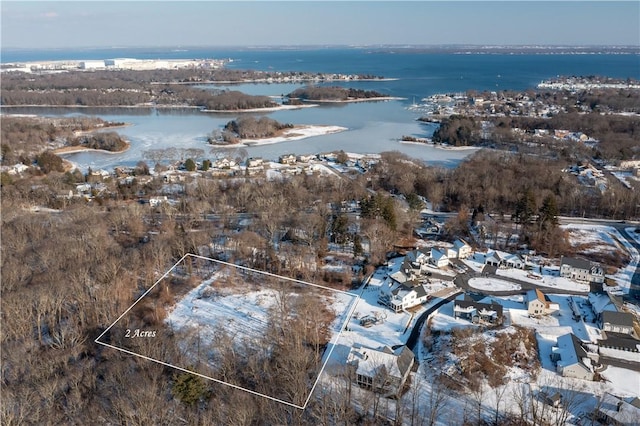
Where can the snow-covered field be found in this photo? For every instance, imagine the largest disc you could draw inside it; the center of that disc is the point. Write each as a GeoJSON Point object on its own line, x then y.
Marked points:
{"type": "Point", "coordinates": [546, 279]}
{"type": "Point", "coordinates": [493, 284]}
{"type": "Point", "coordinates": [607, 239]}
{"type": "Point", "coordinates": [243, 312]}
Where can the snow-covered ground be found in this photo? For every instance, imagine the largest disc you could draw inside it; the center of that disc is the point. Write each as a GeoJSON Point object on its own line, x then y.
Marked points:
{"type": "Point", "coordinates": [607, 239]}
{"type": "Point", "coordinates": [244, 312]}
{"type": "Point", "coordinates": [546, 279]}
{"type": "Point", "coordinates": [298, 132]}
{"type": "Point", "coordinates": [493, 284]}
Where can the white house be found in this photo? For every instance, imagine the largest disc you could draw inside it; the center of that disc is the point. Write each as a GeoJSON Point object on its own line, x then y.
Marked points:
{"type": "Point", "coordinates": [438, 258]}
{"type": "Point", "coordinates": [400, 296]}
{"type": "Point", "coordinates": [381, 370]}
{"type": "Point", "coordinates": [539, 304]}
{"type": "Point", "coordinates": [571, 358]}
{"type": "Point", "coordinates": [287, 159]}
{"type": "Point", "coordinates": [581, 270]}
{"type": "Point", "coordinates": [617, 322]}
{"type": "Point", "coordinates": [462, 249]}
{"type": "Point", "coordinates": [255, 162]}
{"type": "Point", "coordinates": [501, 259]}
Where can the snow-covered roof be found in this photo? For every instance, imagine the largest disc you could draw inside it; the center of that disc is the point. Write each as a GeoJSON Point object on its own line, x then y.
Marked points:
{"type": "Point", "coordinates": [371, 362]}
{"type": "Point", "coordinates": [619, 410]}
{"type": "Point", "coordinates": [571, 352]}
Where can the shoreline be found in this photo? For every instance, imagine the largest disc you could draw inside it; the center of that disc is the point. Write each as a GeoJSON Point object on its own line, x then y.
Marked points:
{"type": "Point", "coordinates": [267, 109]}
{"type": "Point", "coordinates": [265, 81]}
{"type": "Point", "coordinates": [76, 149]}
{"type": "Point", "coordinates": [167, 107]}
{"type": "Point", "coordinates": [443, 147]}
{"type": "Point", "coordinates": [297, 133]}
{"type": "Point", "coordinates": [346, 101]}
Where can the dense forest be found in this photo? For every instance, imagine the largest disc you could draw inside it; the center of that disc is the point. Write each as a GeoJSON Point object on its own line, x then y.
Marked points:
{"type": "Point", "coordinates": [618, 136]}
{"type": "Point", "coordinates": [118, 88]}
{"type": "Point", "coordinates": [332, 93]}
{"type": "Point", "coordinates": [23, 138]}
{"type": "Point", "coordinates": [69, 273]}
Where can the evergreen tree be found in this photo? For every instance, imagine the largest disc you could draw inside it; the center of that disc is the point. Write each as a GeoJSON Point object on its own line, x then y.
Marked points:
{"type": "Point", "coordinates": [190, 165]}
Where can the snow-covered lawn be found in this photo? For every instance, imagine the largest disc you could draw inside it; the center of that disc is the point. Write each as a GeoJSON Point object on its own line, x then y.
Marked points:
{"type": "Point", "coordinates": [608, 240]}
{"type": "Point", "coordinates": [243, 312]}
{"type": "Point", "coordinates": [493, 284]}
{"type": "Point", "coordinates": [546, 279]}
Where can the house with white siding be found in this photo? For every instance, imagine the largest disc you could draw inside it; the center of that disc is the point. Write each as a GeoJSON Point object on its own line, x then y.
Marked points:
{"type": "Point", "coordinates": [571, 358]}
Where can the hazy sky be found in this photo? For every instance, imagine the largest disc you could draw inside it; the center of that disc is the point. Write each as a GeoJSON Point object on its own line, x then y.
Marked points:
{"type": "Point", "coordinates": [47, 24]}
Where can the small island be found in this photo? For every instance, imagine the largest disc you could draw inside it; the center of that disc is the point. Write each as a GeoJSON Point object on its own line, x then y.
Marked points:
{"type": "Point", "coordinates": [253, 131]}
{"type": "Point", "coordinates": [336, 94]}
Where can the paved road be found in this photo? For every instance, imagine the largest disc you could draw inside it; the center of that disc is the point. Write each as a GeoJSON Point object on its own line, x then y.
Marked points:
{"type": "Point", "coordinates": [417, 327]}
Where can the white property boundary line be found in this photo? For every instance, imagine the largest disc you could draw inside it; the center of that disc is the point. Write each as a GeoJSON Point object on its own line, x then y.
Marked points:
{"type": "Point", "coordinates": [326, 355]}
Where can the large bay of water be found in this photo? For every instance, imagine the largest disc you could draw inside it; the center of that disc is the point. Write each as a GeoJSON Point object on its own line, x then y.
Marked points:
{"type": "Point", "coordinates": [372, 127]}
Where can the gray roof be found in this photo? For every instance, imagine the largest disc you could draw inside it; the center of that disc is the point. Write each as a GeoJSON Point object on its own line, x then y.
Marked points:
{"type": "Point", "coordinates": [619, 341]}
{"type": "Point", "coordinates": [576, 263]}
{"type": "Point", "coordinates": [618, 318]}
{"type": "Point", "coordinates": [479, 306]}
{"type": "Point", "coordinates": [405, 359]}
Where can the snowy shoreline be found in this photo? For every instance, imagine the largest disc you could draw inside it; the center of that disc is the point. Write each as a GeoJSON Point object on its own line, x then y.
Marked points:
{"type": "Point", "coordinates": [296, 133]}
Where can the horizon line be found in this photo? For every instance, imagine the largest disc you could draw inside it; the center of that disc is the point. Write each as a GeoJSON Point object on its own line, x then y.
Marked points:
{"type": "Point", "coordinates": [352, 46]}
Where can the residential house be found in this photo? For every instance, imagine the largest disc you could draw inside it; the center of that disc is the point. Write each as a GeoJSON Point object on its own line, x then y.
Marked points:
{"type": "Point", "coordinates": [618, 322]}
{"type": "Point", "coordinates": [501, 259]}
{"type": "Point", "coordinates": [469, 309]}
{"type": "Point", "coordinates": [581, 270]}
{"type": "Point", "coordinates": [613, 410]}
{"type": "Point", "coordinates": [400, 296]}
{"type": "Point", "coordinates": [382, 370]}
{"type": "Point", "coordinates": [438, 258]}
{"type": "Point", "coordinates": [287, 159]}
{"type": "Point", "coordinates": [619, 350]}
{"type": "Point", "coordinates": [255, 162]}
{"type": "Point", "coordinates": [418, 256]}
{"type": "Point", "coordinates": [450, 252]}
{"type": "Point", "coordinates": [462, 248]}
{"type": "Point", "coordinates": [306, 158]}
{"type": "Point", "coordinates": [224, 163]}
{"type": "Point", "coordinates": [539, 304]}
{"type": "Point", "coordinates": [493, 259]}
{"type": "Point", "coordinates": [571, 358]}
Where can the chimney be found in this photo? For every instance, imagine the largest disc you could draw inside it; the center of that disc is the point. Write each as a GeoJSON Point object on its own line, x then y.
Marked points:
{"type": "Point", "coordinates": [619, 407]}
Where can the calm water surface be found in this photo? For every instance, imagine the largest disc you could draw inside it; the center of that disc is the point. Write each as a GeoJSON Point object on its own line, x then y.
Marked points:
{"type": "Point", "coordinates": [372, 127]}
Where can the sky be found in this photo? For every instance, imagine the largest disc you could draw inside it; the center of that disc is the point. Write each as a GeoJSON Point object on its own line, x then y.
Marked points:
{"type": "Point", "coordinates": [71, 24]}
